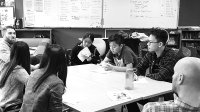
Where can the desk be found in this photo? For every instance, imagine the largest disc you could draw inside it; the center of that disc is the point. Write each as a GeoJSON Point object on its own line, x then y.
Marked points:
{"type": "Point", "coordinates": [88, 85]}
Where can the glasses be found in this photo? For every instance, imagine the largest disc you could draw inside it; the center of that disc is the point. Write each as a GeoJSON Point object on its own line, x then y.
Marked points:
{"type": "Point", "coordinates": [152, 42]}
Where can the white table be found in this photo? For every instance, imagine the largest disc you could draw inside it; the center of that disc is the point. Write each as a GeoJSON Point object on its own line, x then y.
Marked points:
{"type": "Point", "coordinates": [88, 87]}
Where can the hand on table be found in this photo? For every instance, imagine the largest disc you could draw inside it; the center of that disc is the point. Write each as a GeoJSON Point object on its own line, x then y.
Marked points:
{"type": "Point", "coordinates": [135, 77]}
{"type": "Point", "coordinates": [106, 66]}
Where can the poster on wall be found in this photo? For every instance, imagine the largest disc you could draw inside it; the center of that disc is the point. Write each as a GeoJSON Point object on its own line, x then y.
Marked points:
{"type": "Point", "coordinates": [6, 16]}
{"type": "Point", "coordinates": [10, 3]}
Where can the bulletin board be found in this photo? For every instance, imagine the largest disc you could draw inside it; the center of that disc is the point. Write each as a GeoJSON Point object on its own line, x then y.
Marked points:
{"type": "Point", "coordinates": [6, 16]}
{"type": "Point", "coordinates": [101, 13]}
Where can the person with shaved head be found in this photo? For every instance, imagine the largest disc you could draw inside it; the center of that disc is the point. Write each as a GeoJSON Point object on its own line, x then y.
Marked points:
{"type": "Point", "coordinates": [186, 87]}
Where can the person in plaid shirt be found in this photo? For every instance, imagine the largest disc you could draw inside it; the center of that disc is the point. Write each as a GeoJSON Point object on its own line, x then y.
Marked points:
{"type": "Point", "coordinates": [160, 59]}
{"type": "Point", "coordinates": [186, 87]}
{"type": "Point", "coordinates": [157, 64]}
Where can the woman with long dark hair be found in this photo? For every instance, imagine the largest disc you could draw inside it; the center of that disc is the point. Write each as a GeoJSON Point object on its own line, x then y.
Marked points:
{"type": "Point", "coordinates": [46, 85]}
{"type": "Point", "coordinates": [15, 73]}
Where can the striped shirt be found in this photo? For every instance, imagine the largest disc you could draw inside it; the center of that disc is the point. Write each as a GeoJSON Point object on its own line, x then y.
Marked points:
{"type": "Point", "coordinates": [170, 106]}
{"type": "Point", "coordinates": [160, 68]}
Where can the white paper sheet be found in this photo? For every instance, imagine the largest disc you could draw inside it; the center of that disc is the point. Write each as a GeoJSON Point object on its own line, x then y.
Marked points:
{"type": "Point", "coordinates": [84, 53]}
{"type": "Point", "coordinates": [118, 95]}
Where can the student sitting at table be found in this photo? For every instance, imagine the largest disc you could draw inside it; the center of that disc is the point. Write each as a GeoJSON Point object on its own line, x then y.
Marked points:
{"type": "Point", "coordinates": [186, 86]}
{"type": "Point", "coordinates": [121, 54]}
{"type": "Point", "coordinates": [85, 52]}
{"type": "Point", "coordinates": [160, 59]}
{"type": "Point", "coordinates": [46, 85]}
{"type": "Point", "coordinates": [14, 74]}
{"type": "Point", "coordinates": [158, 63]}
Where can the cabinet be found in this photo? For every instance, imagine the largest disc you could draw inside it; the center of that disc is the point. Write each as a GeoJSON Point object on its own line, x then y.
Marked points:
{"type": "Point", "coordinates": [190, 38]}
{"type": "Point", "coordinates": [34, 33]}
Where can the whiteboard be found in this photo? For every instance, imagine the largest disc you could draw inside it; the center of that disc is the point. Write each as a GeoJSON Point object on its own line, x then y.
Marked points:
{"type": "Point", "coordinates": [62, 13]}
{"type": "Point", "coordinates": [101, 13]}
{"type": "Point", "coordinates": [140, 13]}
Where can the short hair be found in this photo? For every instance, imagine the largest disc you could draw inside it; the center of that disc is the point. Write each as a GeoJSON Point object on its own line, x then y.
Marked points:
{"type": "Point", "coordinates": [117, 38]}
{"type": "Point", "coordinates": [4, 29]}
{"type": "Point", "coordinates": [160, 34]}
{"type": "Point", "coordinates": [89, 35]}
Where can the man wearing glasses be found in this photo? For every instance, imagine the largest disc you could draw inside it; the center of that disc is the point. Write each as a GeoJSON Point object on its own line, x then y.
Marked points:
{"type": "Point", "coordinates": [160, 60]}
{"type": "Point", "coordinates": [157, 64]}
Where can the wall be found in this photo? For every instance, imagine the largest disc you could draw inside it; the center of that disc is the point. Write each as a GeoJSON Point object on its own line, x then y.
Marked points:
{"type": "Point", "coordinates": [68, 37]}
{"type": "Point", "coordinates": [189, 13]}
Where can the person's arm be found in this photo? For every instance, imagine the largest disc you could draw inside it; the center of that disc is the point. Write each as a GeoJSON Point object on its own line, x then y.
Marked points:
{"type": "Point", "coordinates": [166, 69]}
{"type": "Point", "coordinates": [95, 58]}
{"type": "Point", "coordinates": [108, 57]}
{"type": "Point", "coordinates": [122, 69]}
{"type": "Point", "coordinates": [74, 53]}
{"type": "Point", "coordinates": [5, 55]}
{"type": "Point", "coordinates": [55, 101]}
{"type": "Point", "coordinates": [106, 60]}
{"type": "Point", "coordinates": [165, 106]}
{"type": "Point", "coordinates": [143, 65]}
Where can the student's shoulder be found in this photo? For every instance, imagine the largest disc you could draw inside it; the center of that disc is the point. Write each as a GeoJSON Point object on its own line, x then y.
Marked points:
{"type": "Point", "coordinates": [153, 106]}
{"type": "Point", "coordinates": [19, 68]}
{"type": "Point", "coordinates": [19, 71]}
{"type": "Point", "coordinates": [53, 81]}
{"type": "Point", "coordinates": [126, 49]}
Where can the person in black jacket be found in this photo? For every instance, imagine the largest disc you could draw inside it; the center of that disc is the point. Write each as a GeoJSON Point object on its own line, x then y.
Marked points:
{"type": "Point", "coordinates": [87, 41]}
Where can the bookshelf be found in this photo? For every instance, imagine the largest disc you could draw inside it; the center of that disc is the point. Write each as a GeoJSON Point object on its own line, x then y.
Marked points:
{"type": "Point", "coordinates": [190, 38]}
{"type": "Point", "coordinates": [34, 33]}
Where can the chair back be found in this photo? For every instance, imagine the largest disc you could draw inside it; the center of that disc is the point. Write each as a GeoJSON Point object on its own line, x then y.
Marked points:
{"type": "Point", "coordinates": [100, 44]}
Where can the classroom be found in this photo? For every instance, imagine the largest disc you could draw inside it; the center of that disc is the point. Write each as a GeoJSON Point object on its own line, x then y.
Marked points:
{"type": "Point", "coordinates": [99, 55]}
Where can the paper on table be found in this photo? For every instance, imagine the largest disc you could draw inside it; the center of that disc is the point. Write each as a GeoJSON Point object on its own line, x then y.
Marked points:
{"type": "Point", "coordinates": [118, 95]}
{"type": "Point", "coordinates": [84, 53]}
{"type": "Point", "coordinates": [141, 80]}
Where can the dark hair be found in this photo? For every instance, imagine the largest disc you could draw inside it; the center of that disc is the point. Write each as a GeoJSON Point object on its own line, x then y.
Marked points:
{"type": "Point", "coordinates": [117, 38]}
{"type": "Point", "coordinates": [124, 34]}
{"type": "Point", "coordinates": [160, 34]}
{"type": "Point", "coordinates": [5, 28]}
{"type": "Point", "coordinates": [89, 35]}
{"type": "Point", "coordinates": [55, 62]}
{"type": "Point", "coordinates": [19, 55]}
